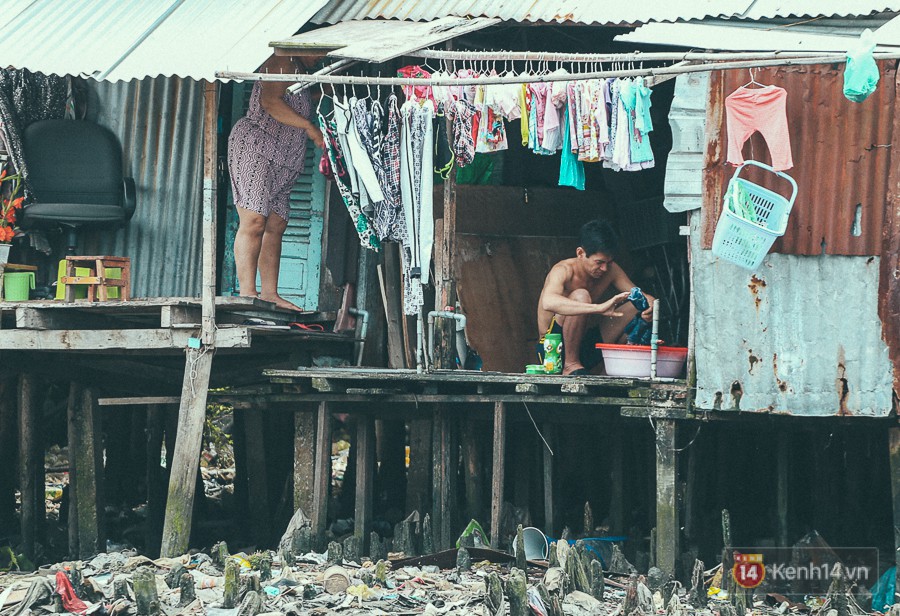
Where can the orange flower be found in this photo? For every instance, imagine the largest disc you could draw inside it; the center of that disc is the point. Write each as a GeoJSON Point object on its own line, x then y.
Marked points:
{"type": "Point", "coordinates": [6, 234]}
{"type": "Point", "coordinates": [2, 174]}
{"type": "Point", "coordinates": [17, 203]}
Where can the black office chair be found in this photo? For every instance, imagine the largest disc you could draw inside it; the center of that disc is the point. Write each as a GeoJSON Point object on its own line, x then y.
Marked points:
{"type": "Point", "coordinates": [75, 171]}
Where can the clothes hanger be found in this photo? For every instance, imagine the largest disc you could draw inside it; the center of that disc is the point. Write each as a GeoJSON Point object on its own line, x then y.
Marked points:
{"type": "Point", "coordinates": [753, 81]}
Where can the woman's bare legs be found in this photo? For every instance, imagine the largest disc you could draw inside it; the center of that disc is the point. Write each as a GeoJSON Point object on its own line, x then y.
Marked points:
{"type": "Point", "coordinates": [270, 262]}
{"type": "Point", "coordinates": [247, 244]}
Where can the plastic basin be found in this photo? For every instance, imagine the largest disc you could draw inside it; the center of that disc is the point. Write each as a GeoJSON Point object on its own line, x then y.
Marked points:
{"type": "Point", "coordinates": [634, 360]}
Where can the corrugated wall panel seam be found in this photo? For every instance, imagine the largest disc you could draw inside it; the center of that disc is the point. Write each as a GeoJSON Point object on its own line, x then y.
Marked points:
{"type": "Point", "coordinates": [159, 123]}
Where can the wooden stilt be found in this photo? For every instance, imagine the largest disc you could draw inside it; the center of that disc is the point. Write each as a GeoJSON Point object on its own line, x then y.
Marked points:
{"type": "Point", "coordinates": [691, 501]}
{"type": "Point", "coordinates": [418, 482]}
{"type": "Point", "coordinates": [474, 469]}
{"type": "Point", "coordinates": [257, 476]}
{"type": "Point", "coordinates": [667, 526]}
{"type": "Point", "coordinates": [522, 459]}
{"type": "Point", "coordinates": [894, 451]}
{"type": "Point", "coordinates": [549, 510]}
{"type": "Point", "coordinates": [156, 493]}
{"type": "Point", "coordinates": [783, 488]}
{"type": "Point", "coordinates": [444, 448]}
{"type": "Point", "coordinates": [304, 459]}
{"type": "Point", "coordinates": [183, 471]}
{"type": "Point", "coordinates": [322, 486]}
{"type": "Point", "coordinates": [365, 476]}
{"type": "Point", "coordinates": [192, 413]}
{"type": "Point", "coordinates": [8, 451]}
{"type": "Point", "coordinates": [31, 465]}
{"type": "Point", "coordinates": [86, 457]}
{"type": "Point", "coordinates": [617, 488]}
{"type": "Point", "coordinates": [498, 471]}
{"type": "Point", "coordinates": [75, 393]}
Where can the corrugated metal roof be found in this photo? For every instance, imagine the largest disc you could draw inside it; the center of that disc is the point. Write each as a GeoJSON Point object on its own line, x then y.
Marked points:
{"type": "Point", "coordinates": [841, 153]}
{"type": "Point", "coordinates": [594, 12]}
{"type": "Point", "coordinates": [132, 39]}
{"type": "Point", "coordinates": [381, 40]}
{"type": "Point", "coordinates": [737, 37]}
{"type": "Point", "coordinates": [767, 9]}
{"type": "Point", "coordinates": [159, 123]}
{"type": "Point", "coordinates": [532, 11]}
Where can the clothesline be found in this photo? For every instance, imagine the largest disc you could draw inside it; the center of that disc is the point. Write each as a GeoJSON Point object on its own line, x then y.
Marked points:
{"type": "Point", "coordinates": [637, 56]}
{"type": "Point", "coordinates": [549, 77]}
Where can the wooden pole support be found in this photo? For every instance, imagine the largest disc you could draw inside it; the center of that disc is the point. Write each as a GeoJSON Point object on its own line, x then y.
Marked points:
{"type": "Point", "coordinates": [667, 526]}
{"type": "Point", "coordinates": [31, 465]}
{"type": "Point", "coordinates": [894, 450]}
{"type": "Point", "coordinates": [498, 470]}
{"type": "Point", "coordinates": [85, 443]}
{"type": "Point", "coordinates": [304, 459]}
{"type": "Point", "coordinates": [322, 485]}
{"type": "Point", "coordinates": [365, 478]}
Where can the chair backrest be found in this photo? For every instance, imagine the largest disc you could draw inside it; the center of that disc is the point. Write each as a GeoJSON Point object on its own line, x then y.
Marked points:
{"type": "Point", "coordinates": [73, 161]}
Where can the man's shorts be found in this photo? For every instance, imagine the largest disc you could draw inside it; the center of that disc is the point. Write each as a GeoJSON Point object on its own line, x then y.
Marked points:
{"type": "Point", "coordinates": [589, 354]}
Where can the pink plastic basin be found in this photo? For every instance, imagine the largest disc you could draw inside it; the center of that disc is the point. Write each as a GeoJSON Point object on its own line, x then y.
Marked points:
{"type": "Point", "coordinates": [634, 360]}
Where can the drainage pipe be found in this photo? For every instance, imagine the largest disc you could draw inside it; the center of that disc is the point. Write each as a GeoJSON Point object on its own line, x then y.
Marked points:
{"type": "Point", "coordinates": [460, 331]}
{"type": "Point", "coordinates": [363, 331]}
{"type": "Point", "coordinates": [654, 339]}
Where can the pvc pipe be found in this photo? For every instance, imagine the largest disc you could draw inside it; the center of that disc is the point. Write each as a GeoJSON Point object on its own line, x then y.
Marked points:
{"type": "Point", "coordinates": [363, 331]}
{"type": "Point", "coordinates": [444, 314]}
{"type": "Point", "coordinates": [420, 345]}
{"type": "Point", "coordinates": [654, 340]}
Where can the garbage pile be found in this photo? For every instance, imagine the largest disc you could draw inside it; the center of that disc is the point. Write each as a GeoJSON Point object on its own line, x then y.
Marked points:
{"type": "Point", "coordinates": [469, 579]}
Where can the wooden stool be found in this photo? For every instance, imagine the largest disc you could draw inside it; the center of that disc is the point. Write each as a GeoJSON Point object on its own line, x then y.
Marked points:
{"type": "Point", "coordinates": [98, 283]}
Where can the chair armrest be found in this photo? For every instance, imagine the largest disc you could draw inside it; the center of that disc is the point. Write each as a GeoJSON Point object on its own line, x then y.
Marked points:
{"type": "Point", "coordinates": [130, 198]}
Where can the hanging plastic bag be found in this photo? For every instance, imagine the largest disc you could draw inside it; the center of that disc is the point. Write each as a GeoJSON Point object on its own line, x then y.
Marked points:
{"type": "Point", "coordinates": [861, 74]}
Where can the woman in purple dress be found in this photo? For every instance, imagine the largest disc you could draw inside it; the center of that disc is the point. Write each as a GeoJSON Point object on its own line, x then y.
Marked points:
{"type": "Point", "coordinates": [266, 151]}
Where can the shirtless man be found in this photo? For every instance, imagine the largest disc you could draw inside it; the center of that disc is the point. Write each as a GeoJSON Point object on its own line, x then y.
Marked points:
{"type": "Point", "coordinates": [568, 302]}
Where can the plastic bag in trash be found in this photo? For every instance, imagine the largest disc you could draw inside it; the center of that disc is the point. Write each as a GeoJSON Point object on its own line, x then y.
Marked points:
{"type": "Point", "coordinates": [861, 73]}
{"type": "Point", "coordinates": [477, 533]}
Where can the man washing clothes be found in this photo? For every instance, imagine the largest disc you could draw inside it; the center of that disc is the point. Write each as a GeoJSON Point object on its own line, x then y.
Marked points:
{"type": "Point", "coordinates": [570, 300]}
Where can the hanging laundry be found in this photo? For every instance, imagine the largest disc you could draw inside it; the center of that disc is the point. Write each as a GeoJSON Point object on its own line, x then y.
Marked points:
{"type": "Point", "coordinates": [462, 114]}
{"type": "Point", "coordinates": [391, 224]}
{"type": "Point", "coordinates": [525, 110]}
{"type": "Point", "coordinates": [571, 170]}
{"type": "Point", "coordinates": [416, 185]}
{"type": "Point", "coordinates": [341, 172]}
{"type": "Point", "coordinates": [443, 153]}
{"type": "Point", "coordinates": [367, 118]}
{"type": "Point", "coordinates": [491, 135]}
{"type": "Point", "coordinates": [418, 93]}
{"type": "Point", "coordinates": [635, 97]}
{"type": "Point", "coordinates": [748, 110]}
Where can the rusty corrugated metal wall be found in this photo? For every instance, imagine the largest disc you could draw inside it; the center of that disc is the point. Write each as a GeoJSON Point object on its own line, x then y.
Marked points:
{"type": "Point", "coordinates": [159, 123]}
{"type": "Point", "coordinates": [841, 153]}
{"type": "Point", "coordinates": [802, 334]}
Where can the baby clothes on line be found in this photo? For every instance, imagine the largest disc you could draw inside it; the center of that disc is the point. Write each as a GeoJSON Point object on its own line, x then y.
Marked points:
{"type": "Point", "coordinates": [635, 96]}
{"type": "Point", "coordinates": [392, 220]}
{"type": "Point", "coordinates": [571, 170]}
{"type": "Point", "coordinates": [748, 110]}
{"type": "Point", "coordinates": [415, 92]}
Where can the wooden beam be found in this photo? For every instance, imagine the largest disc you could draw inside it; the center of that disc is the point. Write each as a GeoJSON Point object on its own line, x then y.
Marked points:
{"type": "Point", "coordinates": [498, 471]}
{"type": "Point", "coordinates": [198, 366]}
{"type": "Point", "coordinates": [365, 478]}
{"type": "Point", "coordinates": [472, 451]}
{"type": "Point", "coordinates": [186, 457]}
{"type": "Point", "coordinates": [617, 492]}
{"type": "Point", "coordinates": [418, 482]}
{"type": "Point", "coordinates": [322, 486]}
{"type": "Point", "coordinates": [257, 476]}
{"type": "Point", "coordinates": [75, 393]}
{"type": "Point", "coordinates": [33, 318]}
{"type": "Point", "coordinates": [156, 493]}
{"type": "Point", "coordinates": [8, 451]}
{"type": "Point", "coordinates": [667, 523]}
{"type": "Point", "coordinates": [392, 299]}
{"type": "Point", "coordinates": [113, 339]}
{"type": "Point", "coordinates": [304, 459]}
{"type": "Point", "coordinates": [86, 445]}
{"type": "Point", "coordinates": [549, 509]}
{"type": "Point", "coordinates": [782, 488]}
{"type": "Point", "coordinates": [31, 465]}
{"type": "Point", "coordinates": [444, 450]}
{"type": "Point", "coordinates": [138, 401]}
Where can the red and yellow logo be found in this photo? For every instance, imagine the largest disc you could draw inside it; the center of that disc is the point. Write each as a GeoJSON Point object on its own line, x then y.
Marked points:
{"type": "Point", "coordinates": [748, 570]}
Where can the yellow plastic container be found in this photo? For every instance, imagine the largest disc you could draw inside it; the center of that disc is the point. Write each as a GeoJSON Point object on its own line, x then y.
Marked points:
{"type": "Point", "coordinates": [81, 289]}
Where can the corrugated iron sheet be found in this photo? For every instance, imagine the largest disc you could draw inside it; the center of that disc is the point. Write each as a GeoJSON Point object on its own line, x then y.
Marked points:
{"type": "Point", "coordinates": [763, 9]}
{"type": "Point", "coordinates": [591, 12]}
{"type": "Point", "coordinates": [382, 40]}
{"type": "Point", "coordinates": [132, 39]}
{"type": "Point", "coordinates": [159, 124]}
{"type": "Point", "coordinates": [586, 12]}
{"type": "Point", "coordinates": [801, 335]}
{"type": "Point", "coordinates": [841, 153]}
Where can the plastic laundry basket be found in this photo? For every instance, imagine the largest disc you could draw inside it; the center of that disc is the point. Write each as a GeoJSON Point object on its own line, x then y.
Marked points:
{"type": "Point", "coordinates": [745, 241]}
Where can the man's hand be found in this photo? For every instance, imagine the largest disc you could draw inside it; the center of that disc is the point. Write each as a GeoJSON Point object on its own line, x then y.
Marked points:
{"type": "Point", "coordinates": [608, 308]}
{"type": "Point", "coordinates": [647, 315]}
